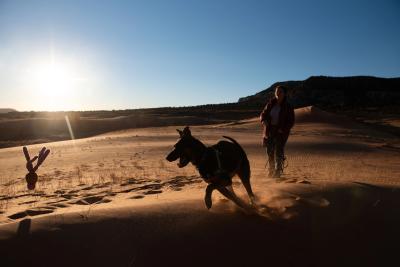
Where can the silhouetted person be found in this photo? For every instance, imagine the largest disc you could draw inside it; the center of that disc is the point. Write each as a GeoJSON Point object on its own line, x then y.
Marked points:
{"type": "Point", "coordinates": [277, 119]}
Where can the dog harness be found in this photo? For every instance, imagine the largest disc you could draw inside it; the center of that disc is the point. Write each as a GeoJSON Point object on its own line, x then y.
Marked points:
{"type": "Point", "coordinates": [219, 172]}
{"type": "Point", "coordinates": [218, 159]}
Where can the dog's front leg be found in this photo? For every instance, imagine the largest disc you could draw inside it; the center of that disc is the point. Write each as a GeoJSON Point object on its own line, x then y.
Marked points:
{"type": "Point", "coordinates": [207, 199]}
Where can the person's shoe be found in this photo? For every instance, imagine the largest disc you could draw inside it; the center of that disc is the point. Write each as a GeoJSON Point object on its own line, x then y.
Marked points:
{"type": "Point", "coordinates": [271, 173]}
{"type": "Point", "coordinates": [277, 174]}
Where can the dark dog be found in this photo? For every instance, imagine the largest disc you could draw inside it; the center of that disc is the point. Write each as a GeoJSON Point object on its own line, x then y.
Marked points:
{"type": "Point", "coordinates": [216, 164]}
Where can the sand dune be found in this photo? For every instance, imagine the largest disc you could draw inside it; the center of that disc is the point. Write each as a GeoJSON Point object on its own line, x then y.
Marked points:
{"type": "Point", "coordinates": [298, 224]}
{"type": "Point", "coordinates": [113, 199]}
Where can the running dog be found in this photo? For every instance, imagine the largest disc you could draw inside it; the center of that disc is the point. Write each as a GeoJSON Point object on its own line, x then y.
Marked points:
{"type": "Point", "coordinates": [216, 164]}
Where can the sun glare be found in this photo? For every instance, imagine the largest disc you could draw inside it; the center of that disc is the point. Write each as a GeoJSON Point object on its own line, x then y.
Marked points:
{"type": "Point", "coordinates": [55, 85]}
{"type": "Point", "coordinates": [53, 80]}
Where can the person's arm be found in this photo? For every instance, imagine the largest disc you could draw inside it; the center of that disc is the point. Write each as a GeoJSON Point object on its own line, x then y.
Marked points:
{"type": "Point", "coordinates": [290, 121]}
{"type": "Point", "coordinates": [263, 115]}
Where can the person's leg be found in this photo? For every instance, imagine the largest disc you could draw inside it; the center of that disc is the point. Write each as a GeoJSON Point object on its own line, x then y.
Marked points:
{"type": "Point", "coordinates": [271, 155]}
{"type": "Point", "coordinates": [280, 156]}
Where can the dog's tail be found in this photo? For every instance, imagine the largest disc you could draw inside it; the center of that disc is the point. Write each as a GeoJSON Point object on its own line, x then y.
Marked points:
{"type": "Point", "coordinates": [245, 168]}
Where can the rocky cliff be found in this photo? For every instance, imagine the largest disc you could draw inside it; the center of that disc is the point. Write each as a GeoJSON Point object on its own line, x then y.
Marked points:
{"type": "Point", "coordinates": [353, 91]}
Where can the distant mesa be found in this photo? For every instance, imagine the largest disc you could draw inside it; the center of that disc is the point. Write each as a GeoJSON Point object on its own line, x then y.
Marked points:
{"type": "Point", "coordinates": [325, 91]}
{"type": "Point", "coordinates": [7, 110]}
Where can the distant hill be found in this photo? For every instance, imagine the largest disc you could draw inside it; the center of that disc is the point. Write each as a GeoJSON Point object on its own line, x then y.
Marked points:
{"type": "Point", "coordinates": [7, 110]}
{"type": "Point", "coordinates": [324, 91]}
{"type": "Point", "coordinates": [369, 99]}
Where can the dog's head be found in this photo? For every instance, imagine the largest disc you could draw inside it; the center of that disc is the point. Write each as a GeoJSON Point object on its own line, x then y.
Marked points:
{"type": "Point", "coordinates": [183, 149]}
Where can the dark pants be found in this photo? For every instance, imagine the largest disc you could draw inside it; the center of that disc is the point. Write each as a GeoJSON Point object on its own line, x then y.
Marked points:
{"type": "Point", "coordinates": [275, 145]}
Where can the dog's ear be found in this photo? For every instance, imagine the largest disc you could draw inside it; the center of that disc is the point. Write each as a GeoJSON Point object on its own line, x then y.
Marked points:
{"type": "Point", "coordinates": [186, 131]}
{"type": "Point", "coordinates": [180, 133]}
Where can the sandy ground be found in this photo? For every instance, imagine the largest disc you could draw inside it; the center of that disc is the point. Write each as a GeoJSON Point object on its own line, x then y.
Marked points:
{"type": "Point", "coordinates": [113, 199]}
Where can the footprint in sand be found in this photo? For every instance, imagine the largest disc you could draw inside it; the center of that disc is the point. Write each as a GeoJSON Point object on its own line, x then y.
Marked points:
{"type": "Point", "coordinates": [152, 192]}
{"type": "Point", "coordinates": [60, 205]}
{"type": "Point", "coordinates": [18, 215]}
{"type": "Point", "coordinates": [32, 212]}
{"type": "Point", "coordinates": [137, 197]}
{"type": "Point", "coordinates": [102, 185]}
{"type": "Point", "coordinates": [87, 188]}
{"type": "Point", "coordinates": [150, 187]}
{"type": "Point", "coordinates": [39, 211]}
{"type": "Point", "coordinates": [176, 188]}
{"type": "Point", "coordinates": [126, 190]}
{"type": "Point", "coordinates": [135, 181]}
{"type": "Point", "coordinates": [69, 196]}
{"type": "Point", "coordinates": [129, 182]}
{"type": "Point", "coordinates": [155, 186]}
{"type": "Point", "coordinates": [27, 202]}
{"type": "Point", "coordinates": [91, 200]}
{"type": "Point", "coordinates": [178, 182]}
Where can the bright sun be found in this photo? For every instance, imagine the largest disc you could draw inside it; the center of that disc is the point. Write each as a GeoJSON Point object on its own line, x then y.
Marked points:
{"type": "Point", "coordinates": [53, 80]}
{"type": "Point", "coordinates": [55, 84]}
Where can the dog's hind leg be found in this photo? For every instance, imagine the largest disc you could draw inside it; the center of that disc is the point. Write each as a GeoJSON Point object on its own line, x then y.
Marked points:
{"type": "Point", "coordinates": [232, 196]}
{"type": "Point", "coordinates": [230, 188]}
{"type": "Point", "coordinates": [247, 185]}
{"type": "Point", "coordinates": [225, 192]}
{"type": "Point", "coordinates": [244, 175]}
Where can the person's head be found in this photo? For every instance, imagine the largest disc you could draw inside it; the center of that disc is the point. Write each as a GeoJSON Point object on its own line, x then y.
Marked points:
{"type": "Point", "coordinates": [280, 93]}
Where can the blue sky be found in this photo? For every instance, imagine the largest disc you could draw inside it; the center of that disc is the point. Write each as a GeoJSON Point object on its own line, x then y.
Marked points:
{"type": "Point", "coordinates": [87, 55]}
